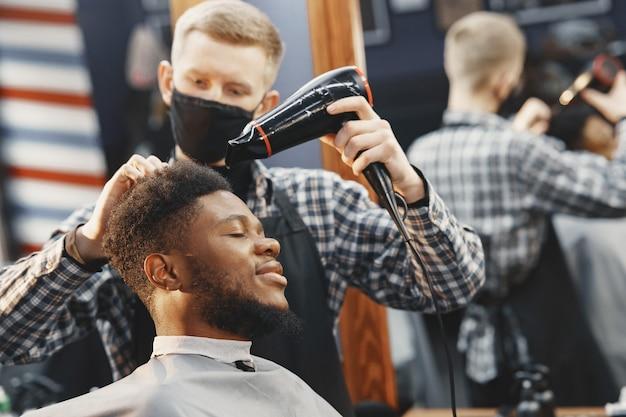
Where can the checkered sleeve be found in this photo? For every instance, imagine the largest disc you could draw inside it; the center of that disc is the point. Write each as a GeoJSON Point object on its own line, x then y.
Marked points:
{"type": "Point", "coordinates": [78, 217]}
{"type": "Point", "coordinates": [370, 254]}
{"type": "Point", "coordinates": [34, 293]}
{"type": "Point", "coordinates": [577, 183]}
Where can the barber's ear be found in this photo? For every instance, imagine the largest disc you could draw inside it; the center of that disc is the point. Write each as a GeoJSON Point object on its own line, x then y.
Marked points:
{"type": "Point", "coordinates": [504, 83]}
{"type": "Point", "coordinates": [270, 101]}
{"type": "Point", "coordinates": [501, 86]}
{"type": "Point", "coordinates": [161, 272]}
{"type": "Point", "coordinates": [166, 81]}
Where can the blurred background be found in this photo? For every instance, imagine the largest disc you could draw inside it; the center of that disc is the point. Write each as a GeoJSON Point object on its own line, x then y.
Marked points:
{"type": "Point", "coordinates": [78, 84]}
{"type": "Point", "coordinates": [78, 96]}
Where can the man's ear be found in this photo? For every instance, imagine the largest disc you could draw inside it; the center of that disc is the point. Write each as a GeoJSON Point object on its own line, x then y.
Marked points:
{"type": "Point", "coordinates": [503, 83]}
{"type": "Point", "coordinates": [270, 101]}
{"type": "Point", "coordinates": [166, 81]}
{"type": "Point", "coordinates": [160, 271]}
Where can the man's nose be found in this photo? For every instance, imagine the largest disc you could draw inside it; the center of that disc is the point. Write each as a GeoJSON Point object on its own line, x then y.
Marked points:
{"type": "Point", "coordinates": [213, 93]}
{"type": "Point", "coordinates": [268, 246]}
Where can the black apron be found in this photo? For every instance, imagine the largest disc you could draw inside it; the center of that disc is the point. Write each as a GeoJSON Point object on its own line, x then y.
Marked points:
{"type": "Point", "coordinates": [314, 356]}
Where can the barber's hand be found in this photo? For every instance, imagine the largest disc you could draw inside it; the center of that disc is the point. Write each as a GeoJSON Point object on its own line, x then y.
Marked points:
{"type": "Point", "coordinates": [612, 104]}
{"type": "Point", "coordinates": [374, 137]}
{"type": "Point", "coordinates": [89, 236]}
{"type": "Point", "coordinates": [533, 117]}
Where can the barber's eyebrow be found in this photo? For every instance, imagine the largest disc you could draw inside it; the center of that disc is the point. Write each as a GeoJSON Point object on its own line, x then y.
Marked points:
{"type": "Point", "coordinates": [242, 84]}
{"type": "Point", "coordinates": [230, 79]}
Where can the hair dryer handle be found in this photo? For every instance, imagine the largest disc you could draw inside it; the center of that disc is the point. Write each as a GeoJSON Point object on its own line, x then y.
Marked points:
{"type": "Point", "coordinates": [380, 180]}
{"type": "Point", "coordinates": [378, 177]}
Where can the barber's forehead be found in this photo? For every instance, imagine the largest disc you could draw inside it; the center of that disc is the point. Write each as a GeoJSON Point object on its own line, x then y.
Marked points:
{"type": "Point", "coordinates": [204, 41]}
{"type": "Point", "coordinates": [209, 56]}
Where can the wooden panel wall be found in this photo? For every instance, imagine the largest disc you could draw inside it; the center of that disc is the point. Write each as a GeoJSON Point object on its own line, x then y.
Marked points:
{"type": "Point", "coordinates": [337, 40]}
{"type": "Point", "coordinates": [178, 7]}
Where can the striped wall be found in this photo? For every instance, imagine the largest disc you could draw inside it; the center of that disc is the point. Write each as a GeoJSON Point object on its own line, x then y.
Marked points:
{"type": "Point", "coordinates": [49, 141]}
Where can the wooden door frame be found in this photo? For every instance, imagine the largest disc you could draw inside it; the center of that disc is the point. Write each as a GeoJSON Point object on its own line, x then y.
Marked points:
{"type": "Point", "coordinates": [337, 40]}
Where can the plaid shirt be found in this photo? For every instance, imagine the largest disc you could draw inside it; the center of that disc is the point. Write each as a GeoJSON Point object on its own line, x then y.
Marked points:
{"type": "Point", "coordinates": [47, 300]}
{"type": "Point", "coordinates": [505, 184]}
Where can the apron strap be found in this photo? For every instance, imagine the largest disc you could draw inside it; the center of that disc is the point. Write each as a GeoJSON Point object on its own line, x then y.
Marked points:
{"type": "Point", "coordinates": [313, 357]}
{"type": "Point", "coordinates": [288, 211]}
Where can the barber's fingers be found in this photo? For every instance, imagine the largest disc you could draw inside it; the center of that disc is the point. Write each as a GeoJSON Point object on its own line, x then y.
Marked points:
{"type": "Point", "coordinates": [354, 128]}
{"type": "Point", "coordinates": [368, 139]}
{"type": "Point", "coordinates": [540, 110]}
{"type": "Point", "coordinates": [618, 89]}
{"type": "Point", "coordinates": [356, 104]}
{"type": "Point", "coordinates": [136, 167]}
{"type": "Point", "coordinates": [610, 105]}
{"type": "Point", "coordinates": [532, 113]}
{"type": "Point", "coordinates": [595, 98]}
{"type": "Point", "coordinates": [129, 172]}
{"type": "Point", "coordinates": [147, 166]}
{"type": "Point", "coordinates": [371, 148]}
{"type": "Point", "coordinates": [358, 144]}
{"type": "Point", "coordinates": [539, 127]}
{"type": "Point", "coordinates": [620, 80]}
{"type": "Point", "coordinates": [157, 163]}
{"type": "Point", "coordinates": [124, 179]}
{"type": "Point", "coordinates": [381, 153]}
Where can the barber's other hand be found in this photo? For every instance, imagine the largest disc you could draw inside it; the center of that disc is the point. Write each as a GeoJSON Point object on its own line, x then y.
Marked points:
{"type": "Point", "coordinates": [89, 236]}
{"type": "Point", "coordinates": [612, 104]}
{"type": "Point", "coordinates": [533, 117]}
{"type": "Point", "coordinates": [374, 137]}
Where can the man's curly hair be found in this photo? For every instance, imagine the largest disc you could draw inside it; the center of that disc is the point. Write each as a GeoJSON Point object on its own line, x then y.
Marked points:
{"type": "Point", "coordinates": [154, 216]}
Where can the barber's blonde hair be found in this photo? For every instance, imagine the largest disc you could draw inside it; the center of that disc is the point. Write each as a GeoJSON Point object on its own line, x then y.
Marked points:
{"type": "Point", "coordinates": [480, 44]}
{"type": "Point", "coordinates": [234, 22]}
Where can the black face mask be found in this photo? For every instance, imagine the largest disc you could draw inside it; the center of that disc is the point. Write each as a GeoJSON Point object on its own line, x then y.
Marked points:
{"type": "Point", "coordinates": [202, 128]}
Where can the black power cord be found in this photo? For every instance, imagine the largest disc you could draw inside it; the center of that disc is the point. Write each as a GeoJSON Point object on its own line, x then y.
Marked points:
{"type": "Point", "coordinates": [446, 348]}
{"type": "Point", "coordinates": [378, 177]}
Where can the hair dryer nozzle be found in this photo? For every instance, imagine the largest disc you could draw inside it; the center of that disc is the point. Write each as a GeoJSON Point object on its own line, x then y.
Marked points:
{"type": "Point", "coordinates": [301, 117]}
{"type": "Point", "coordinates": [251, 144]}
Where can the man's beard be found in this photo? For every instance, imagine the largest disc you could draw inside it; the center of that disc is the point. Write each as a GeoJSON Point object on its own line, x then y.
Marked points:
{"type": "Point", "coordinates": [223, 303]}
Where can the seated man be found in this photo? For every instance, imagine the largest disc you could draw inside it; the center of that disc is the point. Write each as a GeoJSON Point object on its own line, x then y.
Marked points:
{"type": "Point", "coordinates": [200, 262]}
{"type": "Point", "coordinates": [505, 179]}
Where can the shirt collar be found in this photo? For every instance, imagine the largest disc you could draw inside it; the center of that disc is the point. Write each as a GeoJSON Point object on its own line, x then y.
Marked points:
{"type": "Point", "coordinates": [261, 175]}
{"type": "Point", "coordinates": [262, 178]}
{"type": "Point", "coordinates": [226, 351]}
{"type": "Point", "coordinates": [453, 117]}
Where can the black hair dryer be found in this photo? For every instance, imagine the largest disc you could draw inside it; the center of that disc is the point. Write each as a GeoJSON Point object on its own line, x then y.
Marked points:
{"type": "Point", "coordinates": [303, 117]}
